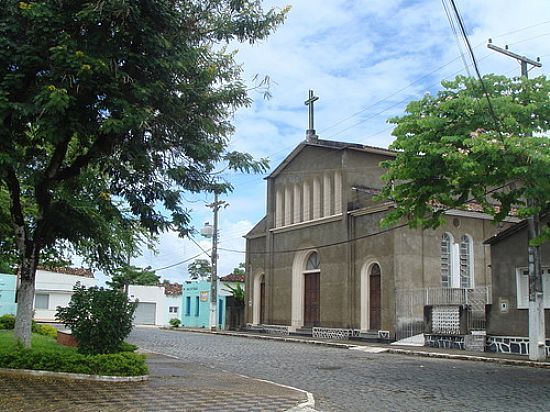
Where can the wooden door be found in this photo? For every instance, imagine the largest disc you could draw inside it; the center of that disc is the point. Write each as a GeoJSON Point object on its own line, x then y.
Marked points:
{"type": "Point", "coordinates": [375, 309]}
{"type": "Point", "coordinates": [311, 299]}
{"type": "Point", "coordinates": [262, 302]}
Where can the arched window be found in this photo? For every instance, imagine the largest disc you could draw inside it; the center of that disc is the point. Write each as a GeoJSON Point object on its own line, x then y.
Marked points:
{"type": "Point", "coordinates": [446, 260]}
{"type": "Point", "coordinates": [466, 262]}
{"type": "Point", "coordinates": [313, 262]}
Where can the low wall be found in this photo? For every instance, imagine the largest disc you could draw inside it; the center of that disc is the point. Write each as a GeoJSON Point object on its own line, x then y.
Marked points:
{"type": "Point", "coordinates": [66, 339]}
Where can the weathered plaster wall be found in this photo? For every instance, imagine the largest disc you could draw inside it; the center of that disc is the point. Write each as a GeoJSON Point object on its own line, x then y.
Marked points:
{"type": "Point", "coordinates": [508, 255]}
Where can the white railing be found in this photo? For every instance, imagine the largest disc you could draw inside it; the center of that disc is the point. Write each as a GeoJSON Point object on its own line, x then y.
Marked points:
{"type": "Point", "coordinates": [411, 303]}
{"type": "Point", "coordinates": [456, 296]}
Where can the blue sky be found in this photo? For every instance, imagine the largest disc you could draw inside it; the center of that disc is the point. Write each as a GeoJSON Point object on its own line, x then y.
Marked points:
{"type": "Point", "coordinates": [365, 59]}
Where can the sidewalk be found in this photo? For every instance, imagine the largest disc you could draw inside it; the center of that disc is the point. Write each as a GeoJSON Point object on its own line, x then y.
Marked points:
{"type": "Point", "coordinates": [373, 347]}
{"type": "Point", "coordinates": [173, 385]}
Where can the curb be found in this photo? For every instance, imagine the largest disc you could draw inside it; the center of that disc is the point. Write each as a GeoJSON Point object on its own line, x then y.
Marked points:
{"type": "Point", "coordinates": [397, 351]}
{"type": "Point", "coordinates": [76, 376]}
{"type": "Point", "coordinates": [502, 361]}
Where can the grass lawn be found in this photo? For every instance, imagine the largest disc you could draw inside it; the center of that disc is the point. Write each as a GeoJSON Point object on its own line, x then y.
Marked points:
{"type": "Point", "coordinates": [46, 354]}
{"type": "Point", "coordinates": [39, 343]}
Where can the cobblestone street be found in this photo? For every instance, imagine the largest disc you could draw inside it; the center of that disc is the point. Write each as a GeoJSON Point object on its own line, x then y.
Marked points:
{"type": "Point", "coordinates": [350, 380]}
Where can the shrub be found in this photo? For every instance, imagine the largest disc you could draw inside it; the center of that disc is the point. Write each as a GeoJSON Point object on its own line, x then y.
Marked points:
{"type": "Point", "coordinates": [118, 364]}
{"type": "Point", "coordinates": [174, 322]}
{"type": "Point", "coordinates": [46, 330]}
{"type": "Point", "coordinates": [99, 319]}
{"type": "Point", "coordinates": [127, 347]}
{"type": "Point", "coordinates": [7, 322]}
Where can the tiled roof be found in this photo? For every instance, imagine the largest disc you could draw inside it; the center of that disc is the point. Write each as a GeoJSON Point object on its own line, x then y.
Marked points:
{"type": "Point", "coordinates": [232, 278]}
{"type": "Point", "coordinates": [86, 273]}
{"type": "Point", "coordinates": [172, 289]}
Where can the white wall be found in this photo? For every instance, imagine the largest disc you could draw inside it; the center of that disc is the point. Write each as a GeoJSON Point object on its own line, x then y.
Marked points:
{"type": "Point", "coordinates": [151, 294]}
{"type": "Point", "coordinates": [176, 301]}
{"type": "Point", "coordinates": [59, 288]}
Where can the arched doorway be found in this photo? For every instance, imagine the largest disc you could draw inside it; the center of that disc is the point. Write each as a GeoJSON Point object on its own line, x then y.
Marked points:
{"type": "Point", "coordinates": [371, 305]}
{"type": "Point", "coordinates": [375, 307]}
{"type": "Point", "coordinates": [258, 309]}
{"type": "Point", "coordinates": [262, 299]}
{"type": "Point", "coordinates": [311, 275]}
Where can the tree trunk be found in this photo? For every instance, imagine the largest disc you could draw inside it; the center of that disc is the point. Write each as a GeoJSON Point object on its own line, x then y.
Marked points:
{"type": "Point", "coordinates": [25, 298]}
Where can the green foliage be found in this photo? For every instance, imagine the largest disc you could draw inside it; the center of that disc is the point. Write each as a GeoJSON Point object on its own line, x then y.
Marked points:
{"type": "Point", "coordinates": [451, 151]}
{"type": "Point", "coordinates": [132, 275]}
{"type": "Point", "coordinates": [7, 321]}
{"type": "Point", "coordinates": [127, 347]}
{"type": "Point", "coordinates": [240, 270]}
{"type": "Point", "coordinates": [47, 355]}
{"type": "Point", "coordinates": [174, 322]}
{"type": "Point", "coordinates": [109, 111]}
{"type": "Point", "coordinates": [99, 127]}
{"type": "Point", "coordinates": [237, 292]}
{"type": "Point", "coordinates": [99, 319]}
{"type": "Point", "coordinates": [46, 330]}
{"type": "Point", "coordinates": [199, 269]}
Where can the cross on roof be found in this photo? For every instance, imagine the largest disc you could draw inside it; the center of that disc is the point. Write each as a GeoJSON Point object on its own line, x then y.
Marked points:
{"type": "Point", "coordinates": [309, 102]}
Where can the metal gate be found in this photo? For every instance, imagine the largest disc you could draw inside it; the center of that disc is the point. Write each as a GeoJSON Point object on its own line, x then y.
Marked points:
{"type": "Point", "coordinates": [145, 313]}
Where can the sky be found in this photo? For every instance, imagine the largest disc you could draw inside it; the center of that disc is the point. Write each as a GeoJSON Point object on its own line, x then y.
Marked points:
{"type": "Point", "coordinates": [365, 60]}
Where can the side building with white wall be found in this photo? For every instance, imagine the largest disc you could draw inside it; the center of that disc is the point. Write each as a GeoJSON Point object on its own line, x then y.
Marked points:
{"type": "Point", "coordinates": [55, 288]}
{"type": "Point", "coordinates": [151, 305]}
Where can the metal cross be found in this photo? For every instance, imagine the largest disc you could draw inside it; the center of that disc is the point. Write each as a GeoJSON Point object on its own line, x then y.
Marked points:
{"type": "Point", "coordinates": [309, 102]}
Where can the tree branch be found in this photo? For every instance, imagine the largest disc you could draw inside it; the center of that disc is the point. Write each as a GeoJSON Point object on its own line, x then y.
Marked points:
{"type": "Point", "coordinates": [102, 145]}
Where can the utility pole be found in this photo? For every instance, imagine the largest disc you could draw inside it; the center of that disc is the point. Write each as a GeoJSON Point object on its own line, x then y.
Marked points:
{"type": "Point", "coordinates": [213, 232]}
{"type": "Point", "coordinates": [537, 351]}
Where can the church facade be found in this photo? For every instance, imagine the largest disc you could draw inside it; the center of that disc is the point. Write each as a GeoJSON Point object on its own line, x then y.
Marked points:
{"type": "Point", "coordinates": [320, 259]}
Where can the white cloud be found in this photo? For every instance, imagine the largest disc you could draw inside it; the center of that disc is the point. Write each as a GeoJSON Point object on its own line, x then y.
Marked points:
{"type": "Point", "coordinates": [365, 60]}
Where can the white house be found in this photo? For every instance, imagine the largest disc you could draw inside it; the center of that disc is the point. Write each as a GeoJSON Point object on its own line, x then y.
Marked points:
{"type": "Point", "coordinates": [151, 304]}
{"type": "Point", "coordinates": [55, 288]}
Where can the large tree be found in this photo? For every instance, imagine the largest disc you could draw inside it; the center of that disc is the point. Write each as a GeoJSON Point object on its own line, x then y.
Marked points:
{"type": "Point", "coordinates": [456, 147]}
{"type": "Point", "coordinates": [109, 109]}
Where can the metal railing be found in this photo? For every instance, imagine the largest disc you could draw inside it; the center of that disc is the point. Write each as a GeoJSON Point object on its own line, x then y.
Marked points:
{"type": "Point", "coordinates": [410, 305]}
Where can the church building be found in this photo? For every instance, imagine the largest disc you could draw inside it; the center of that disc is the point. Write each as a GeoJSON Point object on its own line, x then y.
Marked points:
{"type": "Point", "coordinates": [319, 258]}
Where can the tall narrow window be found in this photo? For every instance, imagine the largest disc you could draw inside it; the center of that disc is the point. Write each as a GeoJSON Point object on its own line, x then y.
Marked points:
{"type": "Point", "coordinates": [197, 306]}
{"type": "Point", "coordinates": [188, 306]}
{"type": "Point", "coordinates": [466, 262]}
{"type": "Point", "coordinates": [446, 262]}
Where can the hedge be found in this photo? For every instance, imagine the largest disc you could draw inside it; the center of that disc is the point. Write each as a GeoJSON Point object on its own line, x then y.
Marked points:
{"type": "Point", "coordinates": [116, 364]}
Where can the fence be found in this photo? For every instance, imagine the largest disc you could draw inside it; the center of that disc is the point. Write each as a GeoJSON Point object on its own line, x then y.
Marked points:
{"type": "Point", "coordinates": [410, 305]}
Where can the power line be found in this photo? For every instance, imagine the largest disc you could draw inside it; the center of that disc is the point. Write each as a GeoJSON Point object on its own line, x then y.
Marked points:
{"type": "Point", "coordinates": [473, 57]}
{"type": "Point", "coordinates": [178, 263]}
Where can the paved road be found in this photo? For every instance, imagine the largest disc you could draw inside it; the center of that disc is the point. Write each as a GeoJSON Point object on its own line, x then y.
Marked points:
{"type": "Point", "coordinates": [349, 380]}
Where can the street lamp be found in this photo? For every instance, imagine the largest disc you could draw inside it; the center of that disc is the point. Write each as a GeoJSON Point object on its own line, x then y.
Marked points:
{"type": "Point", "coordinates": [210, 231]}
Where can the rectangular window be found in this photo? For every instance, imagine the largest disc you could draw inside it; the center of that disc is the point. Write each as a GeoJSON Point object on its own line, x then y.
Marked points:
{"type": "Point", "coordinates": [522, 282]}
{"type": "Point", "coordinates": [197, 307]}
{"type": "Point", "coordinates": [41, 301]}
{"type": "Point", "coordinates": [188, 306]}
{"type": "Point", "coordinates": [173, 309]}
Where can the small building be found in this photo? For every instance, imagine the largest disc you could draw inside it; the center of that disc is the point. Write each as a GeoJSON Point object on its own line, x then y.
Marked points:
{"type": "Point", "coordinates": [8, 286]}
{"type": "Point", "coordinates": [196, 304]}
{"type": "Point", "coordinates": [151, 305]}
{"type": "Point", "coordinates": [234, 309]}
{"type": "Point", "coordinates": [508, 316]}
{"type": "Point", "coordinates": [54, 287]}
{"type": "Point", "coordinates": [173, 293]}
